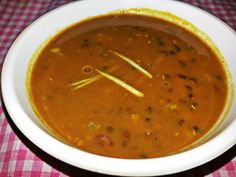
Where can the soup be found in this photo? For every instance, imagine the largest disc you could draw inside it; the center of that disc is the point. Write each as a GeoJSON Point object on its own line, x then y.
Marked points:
{"type": "Point", "coordinates": [128, 86]}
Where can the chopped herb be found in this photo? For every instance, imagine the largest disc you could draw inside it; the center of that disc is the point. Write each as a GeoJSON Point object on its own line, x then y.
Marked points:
{"type": "Point", "coordinates": [190, 95]}
{"type": "Point", "coordinates": [218, 77]}
{"type": "Point", "coordinates": [177, 48]}
{"type": "Point", "coordinates": [147, 119]}
{"type": "Point", "coordinates": [159, 40]}
{"type": "Point", "coordinates": [188, 88]}
{"type": "Point", "coordinates": [172, 52]}
{"type": "Point", "coordinates": [143, 156]}
{"type": "Point", "coordinates": [149, 109]}
{"type": "Point", "coordinates": [84, 43]}
{"type": "Point", "coordinates": [182, 76]}
{"type": "Point", "coordinates": [181, 122]}
{"type": "Point", "coordinates": [194, 104]}
{"type": "Point", "coordinates": [110, 129]}
{"type": "Point", "coordinates": [196, 128]}
{"type": "Point", "coordinates": [139, 28]}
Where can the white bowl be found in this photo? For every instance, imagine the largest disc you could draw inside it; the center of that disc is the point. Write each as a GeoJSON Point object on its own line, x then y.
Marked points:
{"type": "Point", "coordinates": [14, 75]}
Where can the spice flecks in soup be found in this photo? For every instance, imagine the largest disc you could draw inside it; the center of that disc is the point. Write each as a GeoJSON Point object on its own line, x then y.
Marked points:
{"type": "Point", "coordinates": [167, 91]}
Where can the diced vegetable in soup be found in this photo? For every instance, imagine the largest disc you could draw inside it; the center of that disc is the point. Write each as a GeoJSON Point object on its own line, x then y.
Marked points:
{"type": "Point", "coordinates": [128, 86]}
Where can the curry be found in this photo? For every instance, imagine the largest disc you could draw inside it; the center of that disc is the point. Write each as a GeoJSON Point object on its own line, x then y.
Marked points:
{"type": "Point", "coordinates": [128, 86]}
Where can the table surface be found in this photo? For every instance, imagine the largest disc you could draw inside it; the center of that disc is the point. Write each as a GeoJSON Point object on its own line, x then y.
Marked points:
{"type": "Point", "coordinates": [19, 157]}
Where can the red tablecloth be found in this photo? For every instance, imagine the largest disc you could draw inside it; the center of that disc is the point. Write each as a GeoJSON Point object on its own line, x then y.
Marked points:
{"type": "Point", "coordinates": [19, 157]}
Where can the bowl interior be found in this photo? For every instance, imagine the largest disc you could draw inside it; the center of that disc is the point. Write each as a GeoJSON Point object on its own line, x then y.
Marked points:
{"type": "Point", "coordinates": [17, 103]}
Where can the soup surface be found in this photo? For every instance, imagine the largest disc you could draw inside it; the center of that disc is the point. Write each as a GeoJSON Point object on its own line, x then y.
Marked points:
{"type": "Point", "coordinates": [128, 86]}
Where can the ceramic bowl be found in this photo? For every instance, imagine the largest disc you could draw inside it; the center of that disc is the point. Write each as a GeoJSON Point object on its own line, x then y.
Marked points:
{"type": "Point", "coordinates": [14, 75]}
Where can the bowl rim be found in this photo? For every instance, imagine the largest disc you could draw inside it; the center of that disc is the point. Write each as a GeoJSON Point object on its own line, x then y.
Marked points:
{"type": "Point", "coordinates": [97, 163]}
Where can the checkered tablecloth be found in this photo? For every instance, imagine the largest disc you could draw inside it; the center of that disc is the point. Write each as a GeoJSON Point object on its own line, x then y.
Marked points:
{"type": "Point", "coordinates": [19, 157]}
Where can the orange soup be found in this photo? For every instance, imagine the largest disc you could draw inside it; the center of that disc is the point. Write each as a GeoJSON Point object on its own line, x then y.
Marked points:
{"type": "Point", "coordinates": [128, 86]}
